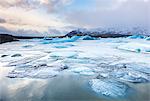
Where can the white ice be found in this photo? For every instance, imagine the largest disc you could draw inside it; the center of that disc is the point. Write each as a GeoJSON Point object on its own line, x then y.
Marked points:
{"type": "Point", "coordinates": [121, 59]}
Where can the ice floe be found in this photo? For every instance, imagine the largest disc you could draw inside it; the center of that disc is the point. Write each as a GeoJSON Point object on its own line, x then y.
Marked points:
{"type": "Point", "coordinates": [88, 38]}
{"type": "Point", "coordinates": [110, 88]}
{"type": "Point", "coordinates": [83, 71]}
{"type": "Point", "coordinates": [136, 37]}
{"type": "Point", "coordinates": [61, 40]}
{"type": "Point", "coordinates": [135, 47]}
{"type": "Point", "coordinates": [147, 38]}
{"type": "Point", "coordinates": [64, 54]}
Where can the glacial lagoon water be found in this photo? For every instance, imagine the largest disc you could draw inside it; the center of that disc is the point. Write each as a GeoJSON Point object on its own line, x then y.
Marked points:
{"type": "Point", "coordinates": [62, 88]}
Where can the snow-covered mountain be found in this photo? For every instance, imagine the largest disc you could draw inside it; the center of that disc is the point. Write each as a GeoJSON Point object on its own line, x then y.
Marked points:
{"type": "Point", "coordinates": [106, 31]}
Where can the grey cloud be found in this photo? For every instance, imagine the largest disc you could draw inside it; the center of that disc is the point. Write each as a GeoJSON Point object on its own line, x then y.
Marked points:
{"type": "Point", "coordinates": [54, 31]}
{"type": "Point", "coordinates": [22, 32]}
{"type": "Point", "coordinates": [2, 20]}
{"type": "Point", "coordinates": [4, 30]}
{"type": "Point", "coordinates": [50, 5]}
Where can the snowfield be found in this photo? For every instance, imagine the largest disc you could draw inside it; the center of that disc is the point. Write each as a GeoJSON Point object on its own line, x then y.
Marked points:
{"type": "Point", "coordinates": [109, 63]}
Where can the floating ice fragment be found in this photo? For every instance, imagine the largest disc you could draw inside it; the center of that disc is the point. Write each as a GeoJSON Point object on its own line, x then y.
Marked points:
{"type": "Point", "coordinates": [130, 76]}
{"type": "Point", "coordinates": [88, 38]}
{"type": "Point", "coordinates": [62, 40]}
{"type": "Point", "coordinates": [110, 88]}
{"type": "Point", "coordinates": [64, 46]}
{"type": "Point", "coordinates": [148, 38]}
{"type": "Point", "coordinates": [136, 37]}
{"type": "Point", "coordinates": [63, 54]}
{"type": "Point", "coordinates": [144, 68]}
{"type": "Point", "coordinates": [83, 71]}
{"type": "Point", "coordinates": [135, 47]}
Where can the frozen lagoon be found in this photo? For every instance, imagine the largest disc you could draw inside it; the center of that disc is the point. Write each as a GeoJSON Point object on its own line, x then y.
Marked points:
{"type": "Point", "coordinates": [115, 63]}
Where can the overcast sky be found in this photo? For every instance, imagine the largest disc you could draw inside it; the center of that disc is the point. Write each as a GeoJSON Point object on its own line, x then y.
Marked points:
{"type": "Point", "coordinates": [44, 17]}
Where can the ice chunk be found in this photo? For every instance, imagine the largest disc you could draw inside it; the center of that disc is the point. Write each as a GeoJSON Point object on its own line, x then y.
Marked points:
{"type": "Point", "coordinates": [64, 46]}
{"type": "Point", "coordinates": [62, 40]}
{"type": "Point", "coordinates": [61, 46]}
{"type": "Point", "coordinates": [110, 88]}
{"type": "Point", "coordinates": [34, 73]}
{"type": "Point", "coordinates": [88, 38]}
{"type": "Point", "coordinates": [135, 47]}
{"type": "Point", "coordinates": [136, 37]}
{"type": "Point", "coordinates": [63, 54]}
{"type": "Point", "coordinates": [141, 67]}
{"type": "Point", "coordinates": [130, 76]}
{"type": "Point", "coordinates": [83, 71]}
{"type": "Point", "coordinates": [148, 38]}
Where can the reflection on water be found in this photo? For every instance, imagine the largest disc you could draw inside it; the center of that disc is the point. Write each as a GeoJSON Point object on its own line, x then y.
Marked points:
{"type": "Point", "coordinates": [61, 88]}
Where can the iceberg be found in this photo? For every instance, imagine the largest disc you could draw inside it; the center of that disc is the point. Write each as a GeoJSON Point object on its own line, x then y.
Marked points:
{"type": "Point", "coordinates": [136, 37]}
{"type": "Point", "coordinates": [61, 40]}
{"type": "Point", "coordinates": [147, 38]}
{"type": "Point", "coordinates": [109, 88]}
{"type": "Point", "coordinates": [88, 38]}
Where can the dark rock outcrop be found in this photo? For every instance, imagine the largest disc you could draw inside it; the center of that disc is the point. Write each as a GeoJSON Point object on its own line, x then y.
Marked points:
{"type": "Point", "coordinates": [7, 38]}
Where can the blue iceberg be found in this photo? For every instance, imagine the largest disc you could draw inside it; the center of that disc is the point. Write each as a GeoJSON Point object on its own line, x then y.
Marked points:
{"type": "Point", "coordinates": [62, 40]}
{"type": "Point", "coordinates": [136, 37]}
{"type": "Point", "coordinates": [88, 38]}
{"type": "Point", "coordinates": [148, 38]}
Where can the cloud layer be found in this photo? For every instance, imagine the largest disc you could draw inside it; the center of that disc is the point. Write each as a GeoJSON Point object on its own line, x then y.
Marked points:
{"type": "Point", "coordinates": [44, 17]}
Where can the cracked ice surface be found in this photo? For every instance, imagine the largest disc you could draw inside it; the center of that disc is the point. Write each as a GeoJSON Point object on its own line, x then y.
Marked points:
{"type": "Point", "coordinates": [87, 57]}
{"type": "Point", "coordinates": [114, 59]}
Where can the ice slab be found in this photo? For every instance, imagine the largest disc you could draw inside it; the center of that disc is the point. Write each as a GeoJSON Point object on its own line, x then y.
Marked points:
{"type": "Point", "coordinates": [141, 67]}
{"type": "Point", "coordinates": [88, 38]}
{"type": "Point", "coordinates": [83, 71]}
{"type": "Point", "coordinates": [135, 47]}
{"type": "Point", "coordinates": [109, 88]}
{"type": "Point", "coordinates": [147, 38]}
{"type": "Point", "coordinates": [131, 76]}
{"type": "Point", "coordinates": [136, 37]}
{"type": "Point", "coordinates": [61, 40]}
{"type": "Point", "coordinates": [64, 46]}
{"type": "Point", "coordinates": [64, 54]}
{"type": "Point", "coordinates": [33, 73]}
